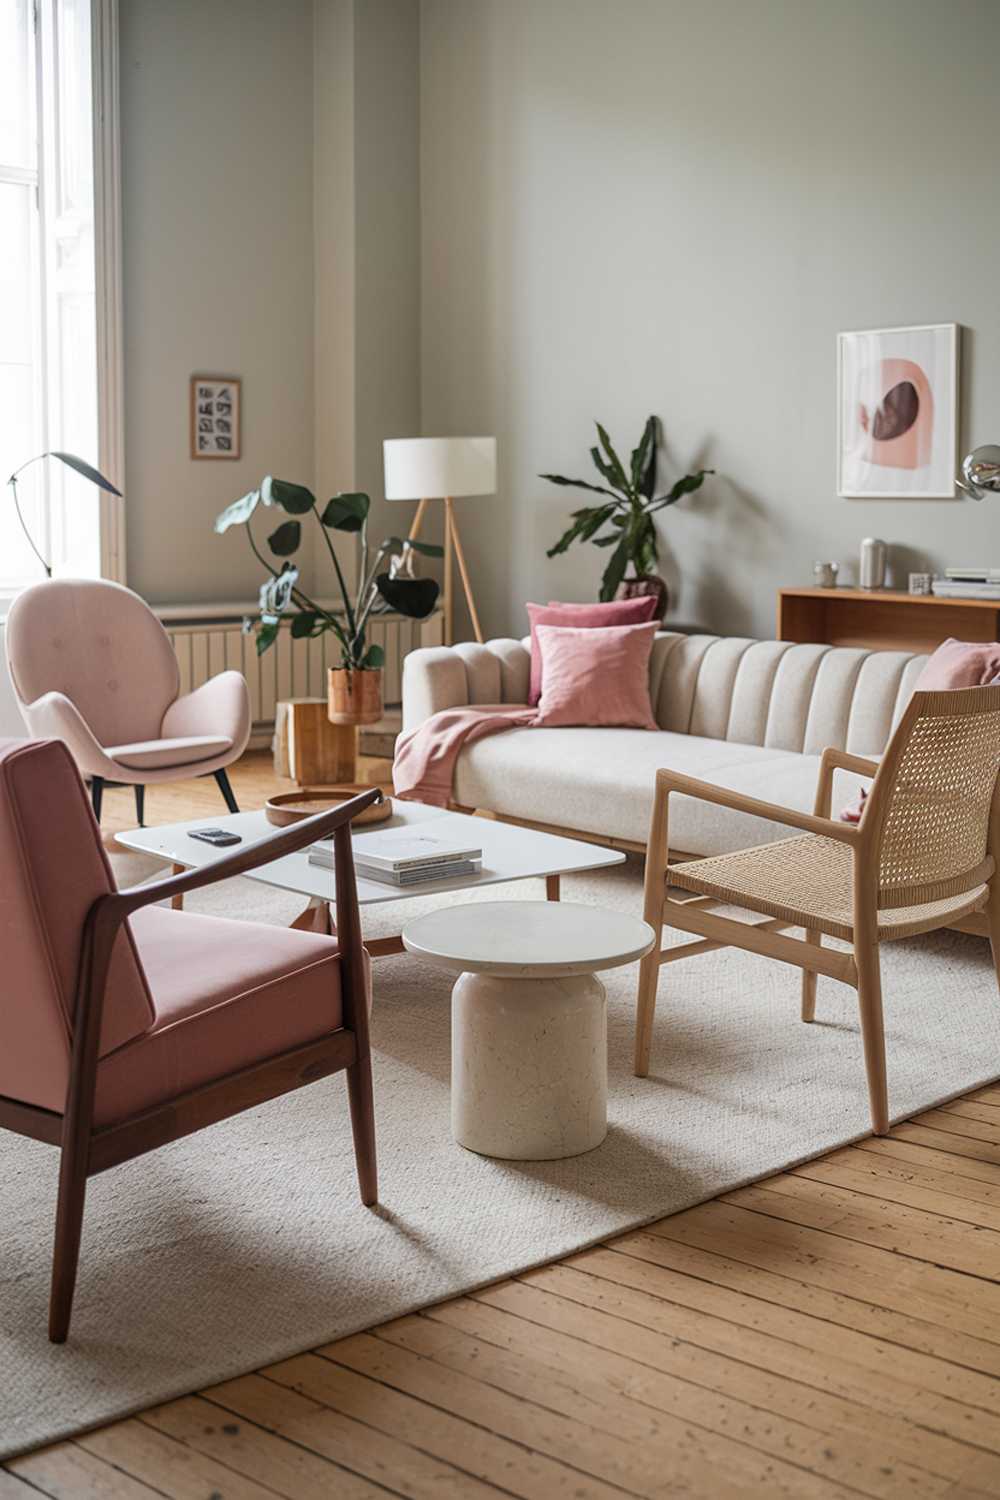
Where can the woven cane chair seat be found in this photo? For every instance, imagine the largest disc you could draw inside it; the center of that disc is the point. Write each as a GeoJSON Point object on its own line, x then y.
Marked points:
{"type": "Point", "coordinates": [806, 881]}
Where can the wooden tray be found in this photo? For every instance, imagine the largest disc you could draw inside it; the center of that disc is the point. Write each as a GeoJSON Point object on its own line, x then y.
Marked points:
{"type": "Point", "coordinates": [292, 807]}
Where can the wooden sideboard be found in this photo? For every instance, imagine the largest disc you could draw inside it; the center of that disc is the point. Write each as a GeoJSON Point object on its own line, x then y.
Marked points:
{"type": "Point", "coordinates": [883, 619]}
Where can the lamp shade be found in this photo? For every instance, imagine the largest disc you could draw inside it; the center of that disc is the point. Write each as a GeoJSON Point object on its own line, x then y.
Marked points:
{"type": "Point", "coordinates": [431, 468]}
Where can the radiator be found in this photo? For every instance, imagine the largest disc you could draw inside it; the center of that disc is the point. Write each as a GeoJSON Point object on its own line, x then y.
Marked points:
{"type": "Point", "coordinates": [209, 639]}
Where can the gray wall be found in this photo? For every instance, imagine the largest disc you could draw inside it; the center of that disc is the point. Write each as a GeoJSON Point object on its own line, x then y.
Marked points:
{"type": "Point", "coordinates": [387, 243]}
{"type": "Point", "coordinates": [673, 206]}
{"type": "Point", "coordinates": [271, 183]}
{"type": "Point", "coordinates": [217, 133]}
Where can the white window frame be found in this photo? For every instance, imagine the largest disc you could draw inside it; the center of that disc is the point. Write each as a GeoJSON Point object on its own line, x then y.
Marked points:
{"type": "Point", "coordinates": [105, 117]}
{"type": "Point", "coordinates": [108, 279]}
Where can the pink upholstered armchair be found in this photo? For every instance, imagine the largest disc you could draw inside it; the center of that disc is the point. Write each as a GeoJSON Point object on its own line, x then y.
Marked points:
{"type": "Point", "coordinates": [92, 666]}
{"type": "Point", "coordinates": [125, 1024]}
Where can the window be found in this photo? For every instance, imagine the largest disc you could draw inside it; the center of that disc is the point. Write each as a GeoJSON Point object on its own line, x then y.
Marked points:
{"type": "Point", "coordinates": [48, 309]}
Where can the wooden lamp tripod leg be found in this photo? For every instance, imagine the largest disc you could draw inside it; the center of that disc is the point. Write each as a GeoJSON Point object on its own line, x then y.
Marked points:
{"type": "Point", "coordinates": [448, 596]}
{"type": "Point", "coordinates": [456, 541]}
{"type": "Point", "coordinates": [417, 522]}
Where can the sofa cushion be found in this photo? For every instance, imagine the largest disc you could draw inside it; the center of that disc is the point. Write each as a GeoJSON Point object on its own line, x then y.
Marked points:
{"type": "Point", "coordinates": [602, 781]}
{"type": "Point", "coordinates": [226, 995]}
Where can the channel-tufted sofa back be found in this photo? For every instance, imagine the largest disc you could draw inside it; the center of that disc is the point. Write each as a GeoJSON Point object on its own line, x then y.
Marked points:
{"type": "Point", "coordinates": [773, 693]}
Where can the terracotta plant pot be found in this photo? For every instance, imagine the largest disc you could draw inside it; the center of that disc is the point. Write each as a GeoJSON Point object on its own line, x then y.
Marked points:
{"type": "Point", "coordinates": [638, 588]}
{"type": "Point", "coordinates": [355, 697]}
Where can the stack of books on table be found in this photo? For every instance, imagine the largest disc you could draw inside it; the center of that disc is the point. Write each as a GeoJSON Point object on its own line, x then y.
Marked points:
{"type": "Point", "coordinates": [404, 858]}
{"type": "Point", "coordinates": [968, 583]}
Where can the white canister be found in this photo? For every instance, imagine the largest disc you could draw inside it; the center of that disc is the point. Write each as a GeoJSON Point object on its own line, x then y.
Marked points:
{"type": "Point", "coordinates": [871, 572]}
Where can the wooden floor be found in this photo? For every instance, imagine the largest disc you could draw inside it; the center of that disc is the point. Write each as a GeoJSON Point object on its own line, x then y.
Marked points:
{"type": "Point", "coordinates": [834, 1330]}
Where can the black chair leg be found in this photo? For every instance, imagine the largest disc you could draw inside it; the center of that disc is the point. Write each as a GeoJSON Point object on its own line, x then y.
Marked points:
{"type": "Point", "coordinates": [140, 805]}
{"type": "Point", "coordinates": [97, 795]}
{"type": "Point", "coordinates": [222, 781]}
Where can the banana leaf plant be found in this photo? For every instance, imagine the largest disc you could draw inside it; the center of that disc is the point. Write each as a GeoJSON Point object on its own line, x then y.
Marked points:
{"type": "Point", "coordinates": [283, 594]}
{"type": "Point", "coordinates": [628, 511]}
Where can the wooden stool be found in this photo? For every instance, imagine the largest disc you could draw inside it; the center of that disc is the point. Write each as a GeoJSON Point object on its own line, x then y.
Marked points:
{"type": "Point", "coordinates": [309, 749]}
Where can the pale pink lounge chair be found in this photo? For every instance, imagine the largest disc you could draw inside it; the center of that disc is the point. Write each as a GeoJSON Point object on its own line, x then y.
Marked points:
{"type": "Point", "coordinates": [125, 1024]}
{"type": "Point", "coordinates": [92, 666]}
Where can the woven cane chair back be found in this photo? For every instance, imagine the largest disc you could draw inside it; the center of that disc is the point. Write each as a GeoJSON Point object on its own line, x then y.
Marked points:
{"type": "Point", "coordinates": [933, 796]}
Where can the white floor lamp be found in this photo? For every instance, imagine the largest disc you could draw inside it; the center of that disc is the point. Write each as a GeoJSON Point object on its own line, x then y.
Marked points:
{"type": "Point", "coordinates": [425, 469]}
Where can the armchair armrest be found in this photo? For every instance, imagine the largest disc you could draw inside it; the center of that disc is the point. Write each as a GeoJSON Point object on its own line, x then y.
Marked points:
{"type": "Point", "coordinates": [705, 791]}
{"type": "Point", "coordinates": [56, 717]}
{"type": "Point", "coordinates": [839, 760]}
{"type": "Point", "coordinates": [434, 678]}
{"type": "Point", "coordinates": [220, 706]}
{"type": "Point", "coordinates": [832, 760]}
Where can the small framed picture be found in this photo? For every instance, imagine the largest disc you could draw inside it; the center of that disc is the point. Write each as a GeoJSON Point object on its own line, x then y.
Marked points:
{"type": "Point", "coordinates": [215, 416]}
{"type": "Point", "coordinates": [897, 412]}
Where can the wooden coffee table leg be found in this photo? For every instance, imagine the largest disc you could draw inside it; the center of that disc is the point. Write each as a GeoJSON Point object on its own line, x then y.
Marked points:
{"type": "Point", "coordinates": [315, 918]}
{"type": "Point", "coordinates": [177, 902]}
{"type": "Point", "coordinates": [384, 947]}
{"type": "Point", "coordinates": [552, 887]}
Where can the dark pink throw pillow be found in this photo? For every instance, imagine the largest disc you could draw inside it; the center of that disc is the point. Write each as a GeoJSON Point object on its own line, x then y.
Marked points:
{"type": "Point", "coordinates": [597, 676]}
{"type": "Point", "coordinates": [582, 617]}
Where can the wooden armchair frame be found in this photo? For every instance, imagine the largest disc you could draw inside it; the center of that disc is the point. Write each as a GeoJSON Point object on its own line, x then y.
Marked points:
{"type": "Point", "coordinates": [883, 905]}
{"type": "Point", "coordinates": [85, 1151]}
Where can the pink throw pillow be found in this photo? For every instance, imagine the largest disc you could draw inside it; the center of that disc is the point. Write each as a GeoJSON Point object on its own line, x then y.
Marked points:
{"type": "Point", "coordinates": [583, 617]}
{"type": "Point", "coordinates": [854, 811]}
{"type": "Point", "coordinates": [598, 676]}
{"type": "Point", "coordinates": [960, 664]}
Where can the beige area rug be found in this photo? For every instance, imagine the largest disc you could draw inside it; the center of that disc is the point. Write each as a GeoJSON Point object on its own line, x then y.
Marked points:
{"type": "Point", "coordinates": [246, 1244]}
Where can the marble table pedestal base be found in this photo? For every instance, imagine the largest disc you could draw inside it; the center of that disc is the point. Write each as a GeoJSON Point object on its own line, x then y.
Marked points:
{"type": "Point", "coordinates": [529, 1065]}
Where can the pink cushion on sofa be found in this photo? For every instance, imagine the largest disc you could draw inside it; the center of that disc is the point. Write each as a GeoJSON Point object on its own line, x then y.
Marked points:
{"type": "Point", "coordinates": [583, 617]}
{"type": "Point", "coordinates": [597, 676]}
{"type": "Point", "coordinates": [960, 664]}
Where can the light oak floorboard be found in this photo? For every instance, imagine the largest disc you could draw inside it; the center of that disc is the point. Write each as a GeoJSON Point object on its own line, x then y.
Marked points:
{"type": "Point", "coordinates": [67, 1472]}
{"type": "Point", "coordinates": [962, 1169]}
{"type": "Point", "coordinates": [256, 1454]}
{"type": "Point", "coordinates": [917, 1233]}
{"type": "Point", "coordinates": [12, 1488]}
{"type": "Point", "coordinates": [171, 1467]}
{"type": "Point", "coordinates": [601, 1388]}
{"type": "Point", "coordinates": [953, 1123]}
{"type": "Point", "coordinates": [378, 1456]}
{"type": "Point", "coordinates": [875, 1355]}
{"type": "Point", "coordinates": [664, 1441]}
{"type": "Point", "coordinates": [911, 1184]}
{"type": "Point", "coordinates": [832, 1331]}
{"type": "Point", "coordinates": [666, 1353]}
{"type": "Point", "coordinates": [821, 1371]}
{"type": "Point", "coordinates": [836, 1307]}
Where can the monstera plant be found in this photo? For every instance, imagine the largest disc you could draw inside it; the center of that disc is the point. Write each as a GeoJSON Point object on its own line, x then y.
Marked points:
{"type": "Point", "coordinates": [282, 594]}
{"type": "Point", "coordinates": [624, 520]}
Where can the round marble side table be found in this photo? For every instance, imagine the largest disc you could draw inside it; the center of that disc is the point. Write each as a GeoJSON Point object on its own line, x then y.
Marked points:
{"type": "Point", "coordinates": [529, 1053]}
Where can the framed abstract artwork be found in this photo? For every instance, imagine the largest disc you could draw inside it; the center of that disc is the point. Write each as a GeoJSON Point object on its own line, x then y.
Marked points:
{"type": "Point", "coordinates": [215, 416]}
{"type": "Point", "coordinates": [897, 412]}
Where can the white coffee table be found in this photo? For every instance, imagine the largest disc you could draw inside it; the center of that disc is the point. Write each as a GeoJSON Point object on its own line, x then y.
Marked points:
{"type": "Point", "coordinates": [509, 853]}
{"type": "Point", "coordinates": [529, 1041]}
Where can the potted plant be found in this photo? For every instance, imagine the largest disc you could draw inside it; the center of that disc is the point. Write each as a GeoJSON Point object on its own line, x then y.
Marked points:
{"type": "Point", "coordinates": [628, 514]}
{"type": "Point", "coordinates": [355, 687]}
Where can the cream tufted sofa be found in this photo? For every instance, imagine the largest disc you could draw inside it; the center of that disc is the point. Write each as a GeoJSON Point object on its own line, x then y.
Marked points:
{"type": "Point", "coordinates": [753, 716]}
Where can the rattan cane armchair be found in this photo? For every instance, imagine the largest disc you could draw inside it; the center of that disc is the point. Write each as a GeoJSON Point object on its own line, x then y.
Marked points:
{"type": "Point", "coordinates": [921, 857]}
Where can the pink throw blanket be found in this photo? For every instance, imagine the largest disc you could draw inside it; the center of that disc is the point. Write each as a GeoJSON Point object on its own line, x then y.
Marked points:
{"type": "Point", "coordinates": [424, 767]}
